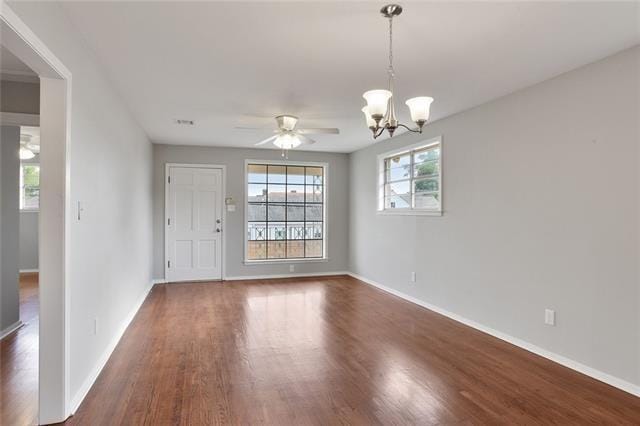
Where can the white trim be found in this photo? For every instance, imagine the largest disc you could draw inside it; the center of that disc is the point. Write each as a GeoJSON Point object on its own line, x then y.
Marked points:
{"type": "Point", "coordinates": [158, 281]}
{"type": "Point", "coordinates": [19, 119]}
{"type": "Point", "coordinates": [325, 210]}
{"type": "Point", "coordinates": [13, 327]}
{"type": "Point", "coordinates": [28, 271]}
{"type": "Point", "coordinates": [19, 76]}
{"type": "Point", "coordinates": [277, 276]}
{"type": "Point", "coordinates": [102, 361]}
{"type": "Point", "coordinates": [562, 360]}
{"type": "Point", "coordinates": [223, 167]}
{"type": "Point", "coordinates": [437, 140]}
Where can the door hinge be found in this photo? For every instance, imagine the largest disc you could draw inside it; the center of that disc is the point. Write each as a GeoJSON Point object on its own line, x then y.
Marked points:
{"type": "Point", "coordinates": [168, 264]}
{"type": "Point", "coordinates": [169, 221]}
{"type": "Point", "coordinates": [169, 179]}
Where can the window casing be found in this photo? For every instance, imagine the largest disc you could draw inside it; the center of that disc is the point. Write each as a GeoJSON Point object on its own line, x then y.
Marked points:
{"type": "Point", "coordinates": [410, 180]}
{"type": "Point", "coordinates": [285, 212]}
{"type": "Point", "coordinates": [29, 186]}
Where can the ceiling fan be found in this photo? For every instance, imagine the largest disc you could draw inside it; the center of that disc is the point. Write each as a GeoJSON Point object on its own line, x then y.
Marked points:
{"type": "Point", "coordinates": [287, 136]}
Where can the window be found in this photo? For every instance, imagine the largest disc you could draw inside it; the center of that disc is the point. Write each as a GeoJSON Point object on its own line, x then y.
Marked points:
{"type": "Point", "coordinates": [285, 211]}
{"type": "Point", "coordinates": [410, 180]}
{"type": "Point", "coordinates": [29, 186]}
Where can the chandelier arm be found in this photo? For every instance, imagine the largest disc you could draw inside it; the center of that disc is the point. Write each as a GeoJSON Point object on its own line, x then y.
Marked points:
{"type": "Point", "coordinates": [410, 129]}
{"type": "Point", "coordinates": [379, 132]}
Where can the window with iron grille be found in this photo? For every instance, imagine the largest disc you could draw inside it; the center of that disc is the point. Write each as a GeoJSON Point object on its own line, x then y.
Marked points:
{"type": "Point", "coordinates": [410, 180]}
{"type": "Point", "coordinates": [285, 212]}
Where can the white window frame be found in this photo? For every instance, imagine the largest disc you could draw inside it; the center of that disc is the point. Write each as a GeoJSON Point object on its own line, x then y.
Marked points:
{"type": "Point", "coordinates": [411, 211]}
{"type": "Point", "coordinates": [325, 209]}
{"type": "Point", "coordinates": [22, 208]}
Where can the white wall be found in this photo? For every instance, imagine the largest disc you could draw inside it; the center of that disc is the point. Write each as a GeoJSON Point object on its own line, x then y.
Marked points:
{"type": "Point", "coordinates": [541, 210]}
{"type": "Point", "coordinates": [111, 164]}
{"type": "Point", "coordinates": [234, 159]}
{"type": "Point", "coordinates": [9, 221]}
{"type": "Point", "coordinates": [28, 240]}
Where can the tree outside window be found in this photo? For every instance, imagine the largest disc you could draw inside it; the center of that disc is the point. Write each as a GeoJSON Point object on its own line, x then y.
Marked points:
{"type": "Point", "coordinates": [29, 186]}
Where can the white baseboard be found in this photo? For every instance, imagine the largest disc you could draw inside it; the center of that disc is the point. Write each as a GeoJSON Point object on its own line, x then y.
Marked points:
{"type": "Point", "coordinates": [13, 327]}
{"type": "Point", "coordinates": [567, 362]}
{"type": "Point", "coordinates": [102, 361]}
{"type": "Point", "coordinates": [158, 281]}
{"type": "Point", "coordinates": [292, 275]}
{"type": "Point", "coordinates": [26, 271]}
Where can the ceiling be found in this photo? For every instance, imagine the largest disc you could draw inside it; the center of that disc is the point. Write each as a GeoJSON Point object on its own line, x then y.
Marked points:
{"type": "Point", "coordinates": [240, 64]}
{"type": "Point", "coordinates": [12, 68]}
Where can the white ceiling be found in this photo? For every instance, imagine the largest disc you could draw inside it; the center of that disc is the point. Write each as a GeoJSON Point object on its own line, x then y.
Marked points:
{"type": "Point", "coordinates": [12, 68]}
{"type": "Point", "coordinates": [229, 64]}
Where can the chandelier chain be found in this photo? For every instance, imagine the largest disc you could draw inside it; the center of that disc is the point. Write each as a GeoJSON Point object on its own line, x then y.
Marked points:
{"type": "Point", "coordinates": [391, 71]}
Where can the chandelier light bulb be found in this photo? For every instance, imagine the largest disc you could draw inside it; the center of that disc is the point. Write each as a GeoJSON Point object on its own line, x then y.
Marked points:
{"type": "Point", "coordinates": [377, 103]}
{"type": "Point", "coordinates": [419, 109]}
{"type": "Point", "coordinates": [371, 123]}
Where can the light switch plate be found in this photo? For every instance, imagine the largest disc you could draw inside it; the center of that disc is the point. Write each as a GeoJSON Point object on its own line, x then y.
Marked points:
{"type": "Point", "coordinates": [549, 317]}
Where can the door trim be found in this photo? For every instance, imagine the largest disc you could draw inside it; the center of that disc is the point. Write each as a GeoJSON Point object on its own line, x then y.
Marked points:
{"type": "Point", "coordinates": [165, 225]}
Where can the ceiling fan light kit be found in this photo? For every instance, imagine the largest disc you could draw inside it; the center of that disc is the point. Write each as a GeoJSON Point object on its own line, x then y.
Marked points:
{"type": "Point", "coordinates": [380, 111]}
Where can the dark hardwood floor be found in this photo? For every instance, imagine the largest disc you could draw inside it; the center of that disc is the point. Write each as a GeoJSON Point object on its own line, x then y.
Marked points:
{"type": "Point", "coordinates": [323, 351]}
{"type": "Point", "coordinates": [19, 361]}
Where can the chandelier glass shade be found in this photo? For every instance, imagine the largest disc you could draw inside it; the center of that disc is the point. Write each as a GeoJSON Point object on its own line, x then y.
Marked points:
{"type": "Point", "coordinates": [380, 110]}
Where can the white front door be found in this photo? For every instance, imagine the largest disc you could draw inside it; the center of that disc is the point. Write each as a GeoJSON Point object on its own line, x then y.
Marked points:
{"type": "Point", "coordinates": [194, 224]}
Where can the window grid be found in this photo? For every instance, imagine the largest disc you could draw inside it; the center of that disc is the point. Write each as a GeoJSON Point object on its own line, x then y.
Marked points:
{"type": "Point", "coordinates": [412, 179]}
{"type": "Point", "coordinates": [285, 228]}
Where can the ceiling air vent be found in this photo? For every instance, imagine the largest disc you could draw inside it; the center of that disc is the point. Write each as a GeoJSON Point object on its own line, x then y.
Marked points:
{"type": "Point", "coordinates": [183, 122]}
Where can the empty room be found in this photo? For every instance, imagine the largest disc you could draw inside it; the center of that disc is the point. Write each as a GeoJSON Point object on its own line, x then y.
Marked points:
{"type": "Point", "coordinates": [318, 212]}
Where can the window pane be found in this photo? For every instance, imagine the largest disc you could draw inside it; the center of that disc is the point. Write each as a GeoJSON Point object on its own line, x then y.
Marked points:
{"type": "Point", "coordinates": [397, 202]}
{"type": "Point", "coordinates": [314, 194]}
{"type": "Point", "coordinates": [257, 192]}
{"type": "Point", "coordinates": [295, 175]}
{"type": "Point", "coordinates": [313, 212]}
{"type": "Point", "coordinates": [313, 248]}
{"type": "Point", "coordinates": [277, 174]}
{"type": "Point", "coordinates": [426, 155]}
{"type": "Point", "coordinates": [400, 189]}
{"type": "Point", "coordinates": [277, 231]}
{"type": "Point", "coordinates": [313, 231]}
{"type": "Point", "coordinates": [426, 185]}
{"type": "Point", "coordinates": [275, 212]}
{"type": "Point", "coordinates": [314, 175]}
{"type": "Point", "coordinates": [399, 161]}
{"type": "Point", "coordinates": [257, 212]}
{"type": "Point", "coordinates": [398, 173]}
{"type": "Point", "coordinates": [256, 231]}
{"type": "Point", "coordinates": [295, 249]}
{"type": "Point", "coordinates": [256, 250]}
{"type": "Point", "coordinates": [295, 213]}
{"type": "Point", "coordinates": [257, 173]}
{"type": "Point", "coordinates": [276, 249]}
{"type": "Point", "coordinates": [427, 201]}
{"type": "Point", "coordinates": [295, 230]}
{"type": "Point", "coordinates": [295, 193]}
{"type": "Point", "coordinates": [427, 168]}
{"type": "Point", "coordinates": [277, 193]}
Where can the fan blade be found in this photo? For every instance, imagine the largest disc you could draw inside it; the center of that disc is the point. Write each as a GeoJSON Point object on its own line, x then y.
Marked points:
{"type": "Point", "coordinates": [267, 140]}
{"type": "Point", "coordinates": [327, 130]}
{"type": "Point", "coordinates": [305, 140]}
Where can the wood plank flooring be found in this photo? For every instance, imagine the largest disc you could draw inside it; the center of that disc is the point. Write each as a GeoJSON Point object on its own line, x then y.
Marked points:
{"type": "Point", "coordinates": [328, 350]}
{"type": "Point", "coordinates": [19, 361]}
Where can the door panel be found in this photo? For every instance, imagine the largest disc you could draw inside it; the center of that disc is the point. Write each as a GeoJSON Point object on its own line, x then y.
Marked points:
{"type": "Point", "coordinates": [194, 228]}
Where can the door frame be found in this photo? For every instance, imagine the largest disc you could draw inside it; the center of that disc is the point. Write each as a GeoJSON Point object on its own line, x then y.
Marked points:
{"type": "Point", "coordinates": [223, 254]}
{"type": "Point", "coordinates": [54, 401]}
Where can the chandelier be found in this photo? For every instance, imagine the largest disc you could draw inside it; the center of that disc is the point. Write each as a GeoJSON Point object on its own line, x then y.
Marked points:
{"type": "Point", "coordinates": [380, 110]}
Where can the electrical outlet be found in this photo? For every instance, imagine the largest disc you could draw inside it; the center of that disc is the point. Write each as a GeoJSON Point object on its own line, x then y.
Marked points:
{"type": "Point", "coordinates": [549, 317]}
{"type": "Point", "coordinates": [95, 326]}
{"type": "Point", "coordinates": [292, 268]}
{"type": "Point", "coordinates": [413, 277]}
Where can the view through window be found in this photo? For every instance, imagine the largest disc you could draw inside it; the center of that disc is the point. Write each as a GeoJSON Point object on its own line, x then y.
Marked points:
{"type": "Point", "coordinates": [29, 186]}
{"type": "Point", "coordinates": [285, 211]}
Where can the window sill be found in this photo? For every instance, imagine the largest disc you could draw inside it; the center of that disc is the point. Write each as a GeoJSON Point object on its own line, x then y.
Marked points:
{"type": "Point", "coordinates": [279, 261]}
{"type": "Point", "coordinates": [410, 212]}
